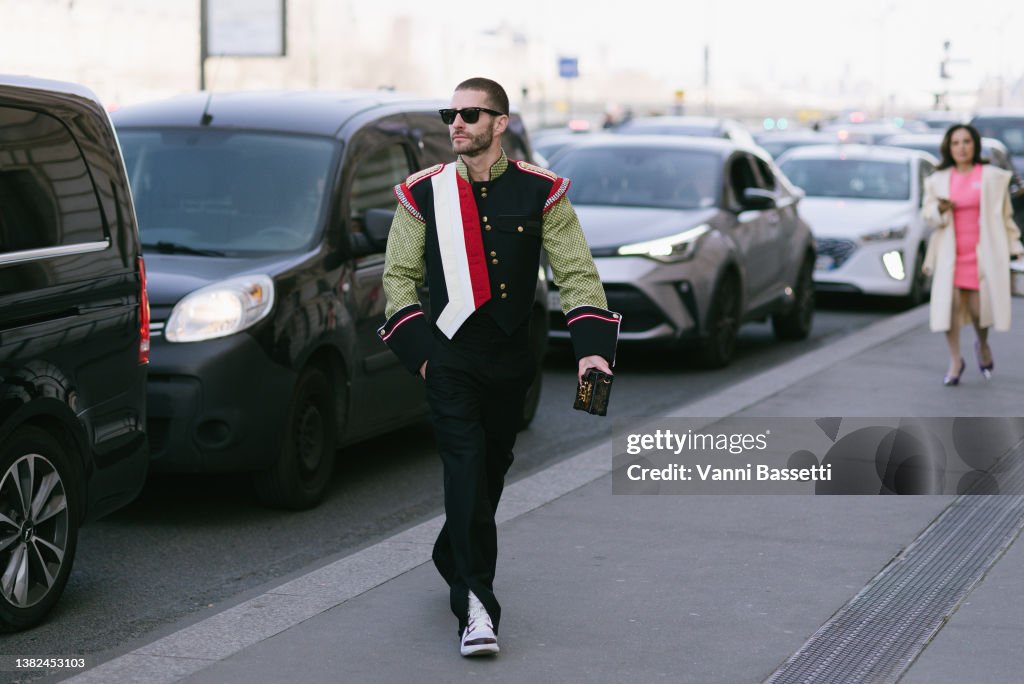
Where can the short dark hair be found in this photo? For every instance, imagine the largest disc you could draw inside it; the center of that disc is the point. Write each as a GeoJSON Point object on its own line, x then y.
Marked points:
{"type": "Point", "coordinates": [947, 141]}
{"type": "Point", "coordinates": [496, 96]}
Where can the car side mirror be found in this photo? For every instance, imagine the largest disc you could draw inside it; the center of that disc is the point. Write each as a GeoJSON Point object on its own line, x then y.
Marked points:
{"type": "Point", "coordinates": [370, 232]}
{"type": "Point", "coordinates": [757, 198]}
{"type": "Point", "coordinates": [377, 223]}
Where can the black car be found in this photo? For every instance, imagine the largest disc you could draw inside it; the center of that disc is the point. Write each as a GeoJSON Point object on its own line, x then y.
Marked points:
{"type": "Point", "coordinates": [264, 218]}
{"type": "Point", "coordinates": [74, 337]}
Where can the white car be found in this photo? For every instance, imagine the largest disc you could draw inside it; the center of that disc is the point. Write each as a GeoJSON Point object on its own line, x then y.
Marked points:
{"type": "Point", "coordinates": [863, 204]}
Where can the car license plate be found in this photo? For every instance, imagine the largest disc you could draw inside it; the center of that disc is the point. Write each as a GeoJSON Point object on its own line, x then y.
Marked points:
{"type": "Point", "coordinates": [824, 263]}
{"type": "Point", "coordinates": [554, 300]}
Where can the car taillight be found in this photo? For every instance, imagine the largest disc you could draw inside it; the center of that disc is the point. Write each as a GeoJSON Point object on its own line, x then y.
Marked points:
{"type": "Point", "coordinates": [143, 315]}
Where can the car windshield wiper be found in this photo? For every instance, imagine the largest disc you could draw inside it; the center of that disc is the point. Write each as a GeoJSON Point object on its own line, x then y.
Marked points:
{"type": "Point", "coordinates": [177, 248]}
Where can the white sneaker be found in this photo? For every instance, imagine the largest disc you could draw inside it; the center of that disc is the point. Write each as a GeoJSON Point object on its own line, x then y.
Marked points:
{"type": "Point", "coordinates": [478, 638]}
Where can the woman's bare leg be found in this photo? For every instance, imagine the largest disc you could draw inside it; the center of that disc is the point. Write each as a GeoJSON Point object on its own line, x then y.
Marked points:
{"type": "Point", "coordinates": [953, 334]}
{"type": "Point", "coordinates": [973, 300]}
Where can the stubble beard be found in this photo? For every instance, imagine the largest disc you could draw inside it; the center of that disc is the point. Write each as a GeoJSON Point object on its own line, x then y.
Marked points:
{"type": "Point", "coordinates": [476, 145]}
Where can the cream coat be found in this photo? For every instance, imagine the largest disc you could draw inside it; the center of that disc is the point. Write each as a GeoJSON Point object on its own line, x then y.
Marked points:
{"type": "Point", "coordinates": [998, 239]}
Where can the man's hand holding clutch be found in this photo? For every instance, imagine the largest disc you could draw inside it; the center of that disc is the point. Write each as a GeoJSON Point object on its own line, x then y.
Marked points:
{"type": "Point", "coordinates": [595, 386]}
{"type": "Point", "coordinates": [597, 362]}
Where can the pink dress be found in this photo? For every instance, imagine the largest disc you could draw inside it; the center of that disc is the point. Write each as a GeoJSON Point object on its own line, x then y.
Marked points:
{"type": "Point", "coordinates": [965, 193]}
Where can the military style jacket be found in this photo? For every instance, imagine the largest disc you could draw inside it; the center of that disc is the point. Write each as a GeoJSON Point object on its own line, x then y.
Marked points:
{"type": "Point", "coordinates": [477, 245]}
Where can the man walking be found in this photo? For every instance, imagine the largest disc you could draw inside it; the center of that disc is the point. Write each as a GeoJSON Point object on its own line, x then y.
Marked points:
{"type": "Point", "coordinates": [475, 228]}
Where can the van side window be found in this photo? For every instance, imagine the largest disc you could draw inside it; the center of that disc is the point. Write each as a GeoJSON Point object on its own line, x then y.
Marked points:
{"type": "Point", "coordinates": [47, 198]}
{"type": "Point", "coordinates": [374, 180]}
{"type": "Point", "coordinates": [431, 135]}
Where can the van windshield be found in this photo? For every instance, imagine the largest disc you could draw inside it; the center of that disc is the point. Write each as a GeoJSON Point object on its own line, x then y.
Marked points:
{"type": "Point", "coordinates": [227, 192]}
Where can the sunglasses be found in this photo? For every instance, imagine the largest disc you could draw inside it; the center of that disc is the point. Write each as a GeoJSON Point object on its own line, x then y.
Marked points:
{"type": "Point", "coordinates": [470, 114]}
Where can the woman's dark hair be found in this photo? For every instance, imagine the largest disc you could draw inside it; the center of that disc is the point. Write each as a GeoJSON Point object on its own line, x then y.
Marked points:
{"type": "Point", "coordinates": [947, 139]}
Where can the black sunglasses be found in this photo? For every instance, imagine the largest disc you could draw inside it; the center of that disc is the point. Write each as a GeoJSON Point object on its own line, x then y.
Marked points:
{"type": "Point", "coordinates": [470, 114]}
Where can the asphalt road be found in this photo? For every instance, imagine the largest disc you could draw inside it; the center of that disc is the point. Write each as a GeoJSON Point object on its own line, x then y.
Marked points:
{"type": "Point", "coordinates": [192, 545]}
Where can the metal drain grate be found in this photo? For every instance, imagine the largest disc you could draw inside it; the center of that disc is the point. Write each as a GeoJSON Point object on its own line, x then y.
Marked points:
{"type": "Point", "coordinates": [878, 634]}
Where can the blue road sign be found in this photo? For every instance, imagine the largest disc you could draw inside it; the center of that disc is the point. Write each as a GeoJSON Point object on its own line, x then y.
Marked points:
{"type": "Point", "coordinates": [568, 67]}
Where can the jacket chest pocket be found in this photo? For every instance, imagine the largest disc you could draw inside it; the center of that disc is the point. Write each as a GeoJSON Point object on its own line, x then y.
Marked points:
{"type": "Point", "coordinates": [515, 243]}
{"type": "Point", "coordinates": [522, 225]}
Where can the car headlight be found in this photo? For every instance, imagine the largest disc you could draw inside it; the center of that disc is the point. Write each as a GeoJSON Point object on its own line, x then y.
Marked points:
{"type": "Point", "coordinates": [897, 233]}
{"type": "Point", "coordinates": [672, 248]}
{"type": "Point", "coordinates": [221, 309]}
{"type": "Point", "coordinates": [893, 262]}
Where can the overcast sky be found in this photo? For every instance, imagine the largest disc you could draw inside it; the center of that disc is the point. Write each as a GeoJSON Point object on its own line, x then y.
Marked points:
{"type": "Point", "coordinates": [896, 45]}
{"type": "Point", "coordinates": [847, 52]}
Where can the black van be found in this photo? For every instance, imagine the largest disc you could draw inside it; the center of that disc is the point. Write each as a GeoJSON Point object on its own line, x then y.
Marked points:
{"type": "Point", "coordinates": [74, 337]}
{"type": "Point", "coordinates": [264, 218]}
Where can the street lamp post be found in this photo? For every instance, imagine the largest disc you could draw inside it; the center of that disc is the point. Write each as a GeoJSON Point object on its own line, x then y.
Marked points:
{"type": "Point", "coordinates": [202, 44]}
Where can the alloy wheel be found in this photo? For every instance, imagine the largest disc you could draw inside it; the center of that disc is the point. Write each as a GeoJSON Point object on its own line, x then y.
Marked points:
{"type": "Point", "coordinates": [724, 324]}
{"type": "Point", "coordinates": [727, 323]}
{"type": "Point", "coordinates": [34, 526]}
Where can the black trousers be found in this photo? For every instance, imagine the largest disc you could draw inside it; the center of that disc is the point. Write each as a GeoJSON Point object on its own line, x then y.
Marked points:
{"type": "Point", "coordinates": [476, 385]}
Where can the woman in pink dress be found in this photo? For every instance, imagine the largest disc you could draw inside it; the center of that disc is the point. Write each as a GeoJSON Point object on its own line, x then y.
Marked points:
{"type": "Point", "coordinates": [966, 289]}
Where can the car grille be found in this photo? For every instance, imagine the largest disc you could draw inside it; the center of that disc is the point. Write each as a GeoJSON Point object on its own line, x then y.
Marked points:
{"type": "Point", "coordinates": [838, 251]}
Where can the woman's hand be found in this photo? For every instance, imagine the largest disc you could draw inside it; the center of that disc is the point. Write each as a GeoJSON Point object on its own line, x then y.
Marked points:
{"type": "Point", "coordinates": [945, 205]}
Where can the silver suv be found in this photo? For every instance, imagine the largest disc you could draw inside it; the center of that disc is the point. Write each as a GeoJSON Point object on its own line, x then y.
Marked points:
{"type": "Point", "coordinates": [691, 237]}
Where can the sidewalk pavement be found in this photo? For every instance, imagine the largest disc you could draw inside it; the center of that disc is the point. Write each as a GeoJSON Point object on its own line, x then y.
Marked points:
{"type": "Point", "coordinates": [603, 588]}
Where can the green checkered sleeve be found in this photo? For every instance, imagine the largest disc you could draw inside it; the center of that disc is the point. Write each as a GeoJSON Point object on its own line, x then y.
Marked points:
{"type": "Point", "coordinates": [404, 262]}
{"type": "Point", "coordinates": [571, 262]}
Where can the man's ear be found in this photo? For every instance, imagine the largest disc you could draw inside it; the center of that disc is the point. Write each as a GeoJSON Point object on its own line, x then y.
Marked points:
{"type": "Point", "coordinates": [500, 124]}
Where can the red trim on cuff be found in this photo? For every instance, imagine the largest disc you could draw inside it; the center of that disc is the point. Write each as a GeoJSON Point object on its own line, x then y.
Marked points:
{"type": "Point", "coordinates": [590, 315]}
{"type": "Point", "coordinates": [399, 324]}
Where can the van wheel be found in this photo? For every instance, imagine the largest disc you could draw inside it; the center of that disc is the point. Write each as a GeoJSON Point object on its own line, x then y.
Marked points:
{"type": "Point", "coordinates": [795, 324]}
{"type": "Point", "coordinates": [39, 515]}
{"type": "Point", "coordinates": [300, 476]}
{"type": "Point", "coordinates": [723, 324]}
